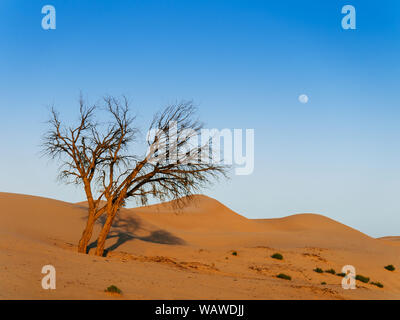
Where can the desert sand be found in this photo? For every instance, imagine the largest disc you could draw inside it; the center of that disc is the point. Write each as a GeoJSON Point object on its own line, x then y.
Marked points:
{"type": "Point", "coordinates": [202, 251]}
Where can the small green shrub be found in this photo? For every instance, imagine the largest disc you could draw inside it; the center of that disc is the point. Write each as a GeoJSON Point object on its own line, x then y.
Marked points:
{"type": "Point", "coordinates": [234, 253]}
{"type": "Point", "coordinates": [390, 267]}
{"type": "Point", "coordinates": [113, 289]}
{"type": "Point", "coordinates": [361, 278]}
{"type": "Point", "coordinates": [284, 276]}
{"type": "Point", "coordinates": [323, 282]}
{"type": "Point", "coordinates": [341, 274]}
{"type": "Point", "coordinates": [378, 284]}
{"type": "Point", "coordinates": [277, 256]}
{"type": "Point", "coordinates": [332, 271]}
{"type": "Point", "coordinates": [318, 270]}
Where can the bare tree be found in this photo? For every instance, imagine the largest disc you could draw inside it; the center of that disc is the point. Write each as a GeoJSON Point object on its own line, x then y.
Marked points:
{"type": "Point", "coordinates": [98, 156]}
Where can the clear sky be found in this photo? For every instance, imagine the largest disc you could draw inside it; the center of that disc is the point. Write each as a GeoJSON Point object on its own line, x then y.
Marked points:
{"type": "Point", "coordinates": [245, 63]}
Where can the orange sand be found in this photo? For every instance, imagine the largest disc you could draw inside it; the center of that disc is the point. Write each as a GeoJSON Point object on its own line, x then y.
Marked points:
{"type": "Point", "coordinates": [157, 252]}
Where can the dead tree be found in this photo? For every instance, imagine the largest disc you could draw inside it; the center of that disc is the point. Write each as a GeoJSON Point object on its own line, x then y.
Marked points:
{"type": "Point", "coordinates": [98, 156]}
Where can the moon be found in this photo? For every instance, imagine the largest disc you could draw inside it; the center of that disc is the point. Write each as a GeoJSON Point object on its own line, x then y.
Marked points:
{"type": "Point", "coordinates": [303, 98]}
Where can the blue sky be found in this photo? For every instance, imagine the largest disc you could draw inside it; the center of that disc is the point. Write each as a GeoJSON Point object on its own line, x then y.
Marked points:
{"type": "Point", "coordinates": [245, 63]}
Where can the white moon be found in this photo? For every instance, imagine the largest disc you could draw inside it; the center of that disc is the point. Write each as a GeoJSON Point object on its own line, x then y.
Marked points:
{"type": "Point", "coordinates": [303, 98]}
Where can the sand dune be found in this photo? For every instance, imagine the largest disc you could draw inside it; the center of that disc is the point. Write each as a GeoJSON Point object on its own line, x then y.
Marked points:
{"type": "Point", "coordinates": [389, 238]}
{"type": "Point", "coordinates": [158, 252]}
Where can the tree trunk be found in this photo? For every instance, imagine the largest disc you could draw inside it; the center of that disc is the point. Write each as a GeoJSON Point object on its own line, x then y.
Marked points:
{"type": "Point", "coordinates": [101, 240]}
{"type": "Point", "coordinates": [87, 233]}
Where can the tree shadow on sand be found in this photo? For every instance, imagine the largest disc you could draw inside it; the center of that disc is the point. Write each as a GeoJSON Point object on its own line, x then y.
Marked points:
{"type": "Point", "coordinates": [124, 229]}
